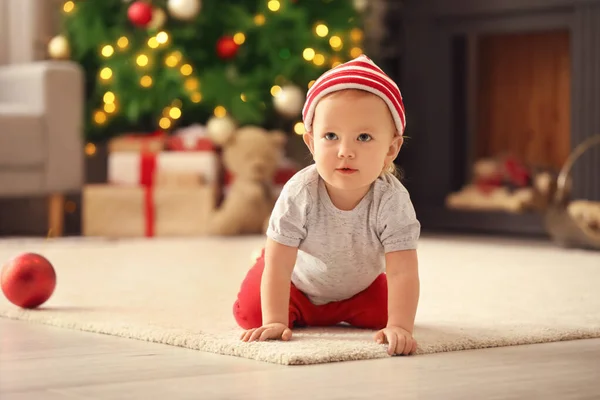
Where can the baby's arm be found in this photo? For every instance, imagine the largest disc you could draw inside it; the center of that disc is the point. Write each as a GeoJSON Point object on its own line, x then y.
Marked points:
{"type": "Point", "coordinates": [403, 297]}
{"type": "Point", "coordinates": [275, 293]}
{"type": "Point", "coordinates": [402, 270]}
{"type": "Point", "coordinates": [275, 284]}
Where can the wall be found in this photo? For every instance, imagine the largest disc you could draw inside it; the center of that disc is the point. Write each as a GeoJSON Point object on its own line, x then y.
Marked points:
{"type": "Point", "coordinates": [26, 26]}
{"type": "Point", "coordinates": [3, 33]}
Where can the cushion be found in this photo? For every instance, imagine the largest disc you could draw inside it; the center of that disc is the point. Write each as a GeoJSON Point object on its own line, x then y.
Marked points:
{"type": "Point", "coordinates": [21, 137]}
{"type": "Point", "coordinates": [17, 183]}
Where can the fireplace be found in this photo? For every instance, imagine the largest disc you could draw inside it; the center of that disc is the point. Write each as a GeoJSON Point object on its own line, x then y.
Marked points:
{"type": "Point", "coordinates": [498, 94]}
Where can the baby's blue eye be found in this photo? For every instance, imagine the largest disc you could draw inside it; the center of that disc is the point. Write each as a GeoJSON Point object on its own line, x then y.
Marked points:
{"type": "Point", "coordinates": [330, 136]}
{"type": "Point", "coordinates": [364, 137]}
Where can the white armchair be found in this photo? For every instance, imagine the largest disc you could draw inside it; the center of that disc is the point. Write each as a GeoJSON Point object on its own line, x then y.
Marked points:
{"type": "Point", "coordinates": [41, 133]}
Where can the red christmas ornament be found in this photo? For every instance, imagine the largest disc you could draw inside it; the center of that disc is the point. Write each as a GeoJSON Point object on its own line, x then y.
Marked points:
{"type": "Point", "coordinates": [227, 48]}
{"type": "Point", "coordinates": [28, 280]}
{"type": "Point", "coordinates": [139, 13]}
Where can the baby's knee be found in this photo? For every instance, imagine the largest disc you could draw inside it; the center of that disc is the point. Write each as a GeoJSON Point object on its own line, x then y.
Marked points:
{"type": "Point", "coordinates": [247, 314]}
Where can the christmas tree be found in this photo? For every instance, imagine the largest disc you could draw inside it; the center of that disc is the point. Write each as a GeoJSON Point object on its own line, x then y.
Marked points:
{"type": "Point", "coordinates": [159, 64]}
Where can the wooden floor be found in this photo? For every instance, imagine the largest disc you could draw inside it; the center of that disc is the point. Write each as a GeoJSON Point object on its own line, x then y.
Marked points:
{"type": "Point", "coordinates": [46, 363]}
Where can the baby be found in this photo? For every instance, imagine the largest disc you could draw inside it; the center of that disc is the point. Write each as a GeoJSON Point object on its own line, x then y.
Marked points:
{"type": "Point", "coordinates": [341, 242]}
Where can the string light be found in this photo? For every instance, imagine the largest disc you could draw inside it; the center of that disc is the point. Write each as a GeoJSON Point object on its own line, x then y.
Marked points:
{"type": "Point", "coordinates": [220, 112]}
{"type": "Point", "coordinates": [308, 54]}
{"type": "Point", "coordinates": [355, 52]}
{"type": "Point", "coordinates": [106, 73]}
{"type": "Point", "coordinates": [239, 38]}
{"type": "Point", "coordinates": [142, 60]}
{"type": "Point", "coordinates": [274, 5]}
{"type": "Point", "coordinates": [259, 19]}
{"type": "Point", "coordinates": [109, 97]}
{"type": "Point", "coordinates": [356, 35]}
{"type": "Point", "coordinates": [153, 42]}
{"type": "Point", "coordinates": [196, 97]}
{"type": "Point", "coordinates": [108, 51]}
{"type": "Point", "coordinates": [90, 149]}
{"type": "Point", "coordinates": [162, 37]}
{"type": "Point", "coordinates": [173, 59]}
{"type": "Point", "coordinates": [243, 97]}
{"type": "Point", "coordinates": [186, 70]}
{"type": "Point", "coordinates": [70, 207]}
{"type": "Point", "coordinates": [100, 117]}
{"type": "Point", "coordinates": [68, 7]}
{"type": "Point", "coordinates": [123, 42]}
{"type": "Point", "coordinates": [319, 59]}
{"type": "Point", "coordinates": [164, 123]}
{"type": "Point", "coordinates": [275, 90]}
{"type": "Point", "coordinates": [311, 83]}
{"type": "Point", "coordinates": [336, 43]}
{"type": "Point", "coordinates": [110, 108]}
{"type": "Point", "coordinates": [322, 30]}
{"type": "Point", "coordinates": [299, 128]}
{"type": "Point", "coordinates": [175, 113]}
{"type": "Point", "coordinates": [146, 81]}
{"type": "Point", "coordinates": [191, 84]}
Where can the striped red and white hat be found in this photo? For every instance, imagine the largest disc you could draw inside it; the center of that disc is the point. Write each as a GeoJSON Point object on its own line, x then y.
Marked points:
{"type": "Point", "coordinates": [360, 73]}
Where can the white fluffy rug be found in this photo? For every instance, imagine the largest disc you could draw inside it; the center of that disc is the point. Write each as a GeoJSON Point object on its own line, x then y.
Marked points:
{"type": "Point", "coordinates": [475, 293]}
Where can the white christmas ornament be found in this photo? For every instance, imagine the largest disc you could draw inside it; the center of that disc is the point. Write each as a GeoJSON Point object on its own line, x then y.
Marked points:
{"type": "Point", "coordinates": [220, 129]}
{"type": "Point", "coordinates": [361, 5]}
{"type": "Point", "coordinates": [58, 47]}
{"type": "Point", "coordinates": [184, 9]}
{"type": "Point", "coordinates": [289, 101]}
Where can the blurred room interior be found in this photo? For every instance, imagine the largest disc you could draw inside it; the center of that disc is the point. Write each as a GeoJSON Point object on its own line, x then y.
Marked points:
{"type": "Point", "coordinates": [121, 121]}
{"type": "Point", "coordinates": [497, 103]}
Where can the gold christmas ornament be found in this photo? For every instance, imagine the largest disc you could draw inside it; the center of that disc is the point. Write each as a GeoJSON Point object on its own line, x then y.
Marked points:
{"type": "Point", "coordinates": [220, 129]}
{"type": "Point", "coordinates": [184, 9]}
{"type": "Point", "coordinates": [289, 100]}
{"type": "Point", "coordinates": [159, 17]}
{"type": "Point", "coordinates": [58, 48]}
{"type": "Point", "coordinates": [361, 5]}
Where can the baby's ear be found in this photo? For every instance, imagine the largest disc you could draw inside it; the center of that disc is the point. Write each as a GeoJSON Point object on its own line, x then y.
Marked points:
{"type": "Point", "coordinates": [309, 140]}
{"type": "Point", "coordinates": [395, 146]}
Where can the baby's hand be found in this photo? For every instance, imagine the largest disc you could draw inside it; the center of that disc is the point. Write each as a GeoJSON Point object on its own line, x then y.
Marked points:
{"type": "Point", "coordinates": [400, 341]}
{"type": "Point", "coordinates": [270, 331]}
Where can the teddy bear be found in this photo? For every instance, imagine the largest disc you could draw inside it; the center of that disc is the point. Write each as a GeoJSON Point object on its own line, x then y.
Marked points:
{"type": "Point", "coordinates": [251, 155]}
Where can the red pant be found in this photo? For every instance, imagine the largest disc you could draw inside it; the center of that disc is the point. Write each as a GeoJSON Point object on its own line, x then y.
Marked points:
{"type": "Point", "coordinates": [367, 309]}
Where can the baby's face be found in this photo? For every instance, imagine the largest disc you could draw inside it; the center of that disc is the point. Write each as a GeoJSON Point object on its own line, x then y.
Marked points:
{"type": "Point", "coordinates": [353, 138]}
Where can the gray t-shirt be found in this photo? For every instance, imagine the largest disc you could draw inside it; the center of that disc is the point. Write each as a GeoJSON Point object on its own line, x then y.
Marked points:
{"type": "Point", "coordinates": [340, 253]}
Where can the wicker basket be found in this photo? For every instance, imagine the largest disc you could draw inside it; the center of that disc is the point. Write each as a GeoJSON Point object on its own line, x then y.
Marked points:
{"type": "Point", "coordinates": [560, 224]}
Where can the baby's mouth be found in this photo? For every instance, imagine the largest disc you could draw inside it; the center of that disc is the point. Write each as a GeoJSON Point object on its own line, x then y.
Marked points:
{"type": "Point", "coordinates": [346, 170]}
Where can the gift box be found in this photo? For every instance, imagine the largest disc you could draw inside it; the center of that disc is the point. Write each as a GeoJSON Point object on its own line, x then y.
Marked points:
{"type": "Point", "coordinates": [181, 179]}
{"type": "Point", "coordinates": [135, 142]}
{"type": "Point", "coordinates": [136, 211]}
{"type": "Point", "coordinates": [191, 138]}
{"type": "Point", "coordinates": [130, 168]}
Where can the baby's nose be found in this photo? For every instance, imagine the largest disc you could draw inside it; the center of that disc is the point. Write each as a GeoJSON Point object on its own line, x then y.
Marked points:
{"type": "Point", "coordinates": [345, 151]}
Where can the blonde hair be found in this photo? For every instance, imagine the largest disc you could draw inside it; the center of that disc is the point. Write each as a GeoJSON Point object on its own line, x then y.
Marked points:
{"type": "Point", "coordinates": [393, 170]}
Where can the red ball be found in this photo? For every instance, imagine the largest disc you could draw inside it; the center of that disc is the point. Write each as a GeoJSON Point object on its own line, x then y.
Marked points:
{"type": "Point", "coordinates": [139, 13]}
{"type": "Point", "coordinates": [28, 280]}
{"type": "Point", "coordinates": [227, 48]}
